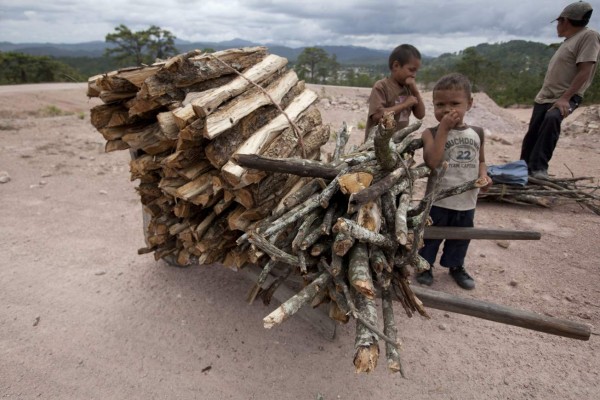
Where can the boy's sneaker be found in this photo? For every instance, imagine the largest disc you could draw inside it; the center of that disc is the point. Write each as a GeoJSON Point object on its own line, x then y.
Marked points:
{"type": "Point", "coordinates": [541, 174]}
{"type": "Point", "coordinates": [462, 278]}
{"type": "Point", "coordinates": [425, 277]}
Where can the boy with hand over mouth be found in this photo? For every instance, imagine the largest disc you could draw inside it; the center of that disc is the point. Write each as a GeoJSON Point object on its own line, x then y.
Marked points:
{"type": "Point", "coordinates": [462, 146]}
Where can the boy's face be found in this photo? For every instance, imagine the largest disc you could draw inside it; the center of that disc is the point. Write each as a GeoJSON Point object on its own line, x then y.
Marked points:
{"type": "Point", "coordinates": [451, 101]}
{"type": "Point", "coordinates": [409, 70]}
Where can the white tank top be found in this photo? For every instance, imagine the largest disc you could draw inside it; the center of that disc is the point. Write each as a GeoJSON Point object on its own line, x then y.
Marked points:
{"type": "Point", "coordinates": [462, 154]}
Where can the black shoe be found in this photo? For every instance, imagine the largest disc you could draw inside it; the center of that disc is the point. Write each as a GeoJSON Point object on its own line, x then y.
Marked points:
{"type": "Point", "coordinates": [425, 277]}
{"type": "Point", "coordinates": [462, 278]}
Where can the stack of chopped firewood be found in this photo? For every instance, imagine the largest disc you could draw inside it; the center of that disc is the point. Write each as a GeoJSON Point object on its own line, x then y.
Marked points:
{"type": "Point", "coordinates": [227, 150]}
{"type": "Point", "coordinates": [183, 119]}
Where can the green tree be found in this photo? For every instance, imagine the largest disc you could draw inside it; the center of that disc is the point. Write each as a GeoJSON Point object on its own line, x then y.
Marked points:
{"type": "Point", "coordinates": [16, 68]}
{"type": "Point", "coordinates": [315, 66]}
{"type": "Point", "coordinates": [140, 47]}
{"type": "Point", "coordinates": [476, 67]}
{"type": "Point", "coordinates": [161, 43]}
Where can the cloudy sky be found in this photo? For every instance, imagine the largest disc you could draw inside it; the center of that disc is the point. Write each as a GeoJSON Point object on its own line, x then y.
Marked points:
{"type": "Point", "coordinates": [434, 26]}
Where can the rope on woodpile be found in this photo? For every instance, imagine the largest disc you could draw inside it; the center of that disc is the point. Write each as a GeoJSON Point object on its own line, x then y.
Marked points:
{"type": "Point", "coordinates": [292, 123]}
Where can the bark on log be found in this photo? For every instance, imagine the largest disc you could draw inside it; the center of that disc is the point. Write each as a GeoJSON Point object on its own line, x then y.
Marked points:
{"type": "Point", "coordinates": [392, 353]}
{"type": "Point", "coordinates": [364, 235]}
{"type": "Point", "coordinates": [503, 314]}
{"type": "Point", "coordinates": [366, 346]}
{"type": "Point", "coordinates": [291, 306]}
{"type": "Point", "coordinates": [359, 272]}
{"type": "Point", "coordinates": [452, 233]}
{"type": "Point", "coordinates": [300, 167]}
{"type": "Point", "coordinates": [384, 149]}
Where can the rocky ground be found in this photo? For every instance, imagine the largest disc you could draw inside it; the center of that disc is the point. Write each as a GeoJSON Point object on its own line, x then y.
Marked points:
{"type": "Point", "coordinates": [83, 316]}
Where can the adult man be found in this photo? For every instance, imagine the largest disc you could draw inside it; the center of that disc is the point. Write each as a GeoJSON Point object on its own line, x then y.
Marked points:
{"type": "Point", "coordinates": [570, 73]}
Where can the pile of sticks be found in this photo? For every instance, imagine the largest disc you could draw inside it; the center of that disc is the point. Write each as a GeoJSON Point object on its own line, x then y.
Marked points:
{"type": "Point", "coordinates": [183, 119]}
{"type": "Point", "coordinates": [548, 192]}
{"type": "Point", "coordinates": [353, 234]}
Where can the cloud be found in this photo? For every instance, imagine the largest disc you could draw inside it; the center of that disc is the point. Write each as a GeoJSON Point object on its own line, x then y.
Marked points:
{"type": "Point", "coordinates": [435, 26]}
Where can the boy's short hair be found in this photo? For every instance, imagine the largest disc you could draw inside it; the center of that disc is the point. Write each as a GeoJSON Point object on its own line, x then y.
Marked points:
{"type": "Point", "coordinates": [454, 81]}
{"type": "Point", "coordinates": [403, 54]}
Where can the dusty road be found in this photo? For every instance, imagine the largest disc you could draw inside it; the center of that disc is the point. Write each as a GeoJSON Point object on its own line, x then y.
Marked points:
{"type": "Point", "coordinates": [82, 316]}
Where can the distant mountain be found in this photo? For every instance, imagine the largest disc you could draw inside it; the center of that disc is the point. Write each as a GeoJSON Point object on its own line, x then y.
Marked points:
{"type": "Point", "coordinates": [344, 54]}
{"type": "Point", "coordinates": [85, 49]}
{"type": "Point", "coordinates": [514, 55]}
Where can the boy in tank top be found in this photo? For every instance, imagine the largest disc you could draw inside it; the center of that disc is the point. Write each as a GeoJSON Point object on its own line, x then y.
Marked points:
{"type": "Point", "coordinates": [462, 146]}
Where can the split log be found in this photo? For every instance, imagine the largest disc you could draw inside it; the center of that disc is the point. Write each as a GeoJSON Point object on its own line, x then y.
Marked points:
{"type": "Point", "coordinates": [226, 117]}
{"type": "Point", "coordinates": [204, 103]}
{"type": "Point", "coordinates": [232, 172]}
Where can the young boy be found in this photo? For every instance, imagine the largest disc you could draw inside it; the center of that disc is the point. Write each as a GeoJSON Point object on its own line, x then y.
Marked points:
{"type": "Point", "coordinates": [398, 92]}
{"type": "Point", "coordinates": [462, 147]}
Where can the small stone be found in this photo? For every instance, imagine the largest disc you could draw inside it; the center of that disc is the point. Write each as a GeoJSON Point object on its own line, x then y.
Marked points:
{"type": "Point", "coordinates": [514, 283]}
{"type": "Point", "coordinates": [569, 299]}
{"type": "Point", "coordinates": [4, 177]}
{"type": "Point", "coordinates": [36, 321]}
{"type": "Point", "coordinates": [103, 192]}
{"type": "Point", "coordinates": [100, 273]}
{"type": "Point", "coordinates": [584, 315]}
{"type": "Point", "coordinates": [46, 175]}
{"type": "Point", "coordinates": [442, 327]}
{"type": "Point", "coordinates": [482, 255]}
{"type": "Point", "coordinates": [503, 243]}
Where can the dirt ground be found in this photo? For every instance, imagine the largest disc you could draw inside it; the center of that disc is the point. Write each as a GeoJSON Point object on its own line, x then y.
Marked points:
{"type": "Point", "coordinates": [83, 316]}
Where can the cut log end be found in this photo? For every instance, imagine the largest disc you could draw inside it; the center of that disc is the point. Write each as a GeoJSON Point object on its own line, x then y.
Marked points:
{"type": "Point", "coordinates": [365, 358]}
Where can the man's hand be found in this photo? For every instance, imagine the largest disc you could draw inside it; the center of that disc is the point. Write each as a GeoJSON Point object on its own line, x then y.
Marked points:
{"type": "Point", "coordinates": [563, 107]}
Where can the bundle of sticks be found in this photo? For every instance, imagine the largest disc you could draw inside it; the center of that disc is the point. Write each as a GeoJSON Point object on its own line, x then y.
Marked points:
{"type": "Point", "coordinates": [183, 119]}
{"type": "Point", "coordinates": [548, 192]}
{"type": "Point", "coordinates": [353, 233]}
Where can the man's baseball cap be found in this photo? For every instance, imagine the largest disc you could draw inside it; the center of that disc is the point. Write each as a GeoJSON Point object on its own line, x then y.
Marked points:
{"type": "Point", "coordinates": [576, 11]}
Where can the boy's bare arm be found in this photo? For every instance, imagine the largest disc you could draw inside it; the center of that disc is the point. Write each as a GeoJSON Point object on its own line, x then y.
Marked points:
{"type": "Point", "coordinates": [433, 147]}
{"type": "Point", "coordinates": [483, 166]}
{"type": "Point", "coordinates": [419, 108]}
{"type": "Point", "coordinates": [409, 102]}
